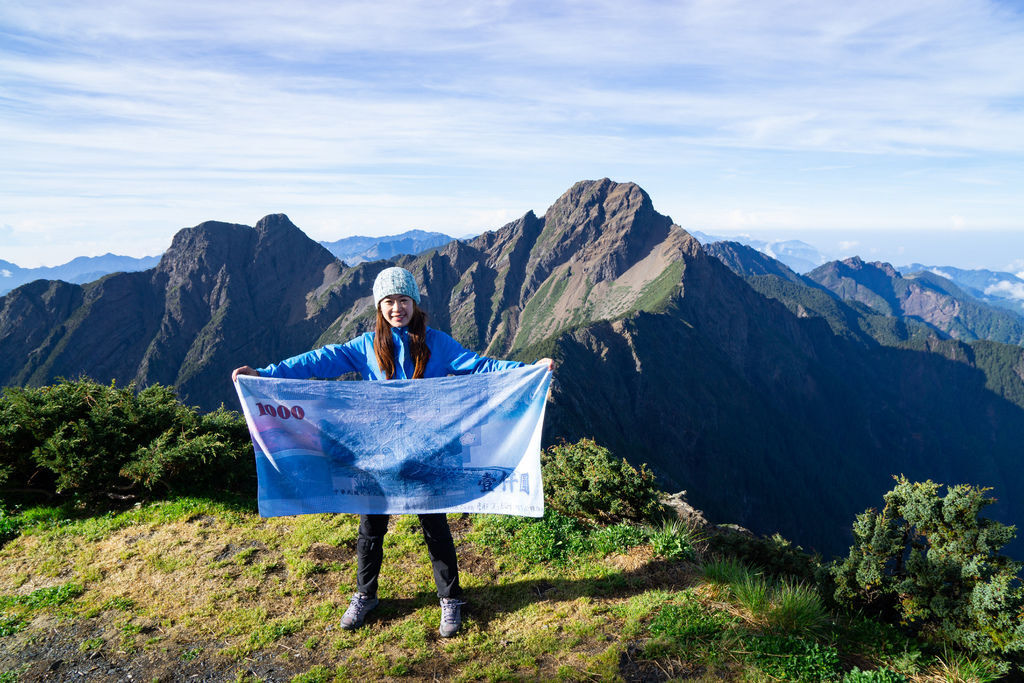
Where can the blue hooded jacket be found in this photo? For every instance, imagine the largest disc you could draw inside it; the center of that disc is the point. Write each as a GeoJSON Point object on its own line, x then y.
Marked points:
{"type": "Point", "coordinates": [447, 357]}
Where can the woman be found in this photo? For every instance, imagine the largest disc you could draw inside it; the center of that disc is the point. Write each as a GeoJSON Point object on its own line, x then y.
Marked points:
{"type": "Point", "coordinates": [400, 347]}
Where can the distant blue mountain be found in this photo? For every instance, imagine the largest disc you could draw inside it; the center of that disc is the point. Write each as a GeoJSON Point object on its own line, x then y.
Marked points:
{"type": "Point", "coordinates": [351, 250]}
{"type": "Point", "coordinates": [77, 271]}
{"type": "Point", "coordinates": [799, 256]}
{"type": "Point", "coordinates": [354, 250]}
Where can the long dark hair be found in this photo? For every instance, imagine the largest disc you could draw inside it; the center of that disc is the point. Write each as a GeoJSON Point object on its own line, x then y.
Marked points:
{"type": "Point", "coordinates": [384, 347]}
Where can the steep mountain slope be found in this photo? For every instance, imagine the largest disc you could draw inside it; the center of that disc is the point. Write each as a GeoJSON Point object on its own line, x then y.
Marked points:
{"type": "Point", "coordinates": [924, 296]}
{"type": "Point", "coordinates": [775, 405]}
{"type": "Point", "coordinates": [746, 261]}
{"type": "Point", "coordinates": [805, 298]}
{"type": "Point", "coordinates": [600, 251]}
{"type": "Point", "coordinates": [997, 288]}
{"type": "Point", "coordinates": [221, 291]}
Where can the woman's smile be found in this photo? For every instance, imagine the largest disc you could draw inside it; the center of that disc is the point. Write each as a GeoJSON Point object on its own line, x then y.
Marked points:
{"type": "Point", "coordinates": [397, 309]}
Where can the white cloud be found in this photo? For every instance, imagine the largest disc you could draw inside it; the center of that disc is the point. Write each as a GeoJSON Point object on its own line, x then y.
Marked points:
{"type": "Point", "coordinates": [5, 273]}
{"type": "Point", "coordinates": [1006, 289]}
{"type": "Point", "coordinates": [380, 116]}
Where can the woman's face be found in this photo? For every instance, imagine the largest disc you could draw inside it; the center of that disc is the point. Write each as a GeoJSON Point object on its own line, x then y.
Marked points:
{"type": "Point", "coordinates": [397, 309]}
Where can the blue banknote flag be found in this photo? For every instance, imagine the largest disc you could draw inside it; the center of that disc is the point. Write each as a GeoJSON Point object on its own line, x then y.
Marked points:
{"type": "Point", "coordinates": [467, 443]}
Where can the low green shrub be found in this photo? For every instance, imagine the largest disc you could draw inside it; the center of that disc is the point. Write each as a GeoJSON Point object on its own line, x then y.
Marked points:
{"type": "Point", "coordinates": [557, 537]}
{"type": "Point", "coordinates": [933, 561]}
{"type": "Point", "coordinates": [44, 597]}
{"type": "Point", "coordinates": [618, 538]}
{"type": "Point", "coordinates": [584, 481]}
{"type": "Point", "coordinates": [883, 675]}
{"type": "Point", "coordinates": [16, 610]}
{"type": "Point", "coordinates": [792, 658]}
{"type": "Point", "coordinates": [684, 623]}
{"type": "Point", "coordinates": [553, 538]}
{"type": "Point", "coordinates": [88, 439]}
{"type": "Point", "coordinates": [10, 526]}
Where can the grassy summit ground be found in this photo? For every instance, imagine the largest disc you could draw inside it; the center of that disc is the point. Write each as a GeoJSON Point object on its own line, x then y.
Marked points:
{"type": "Point", "coordinates": [195, 589]}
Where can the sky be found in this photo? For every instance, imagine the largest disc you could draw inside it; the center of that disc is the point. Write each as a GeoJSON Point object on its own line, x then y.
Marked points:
{"type": "Point", "coordinates": [875, 125]}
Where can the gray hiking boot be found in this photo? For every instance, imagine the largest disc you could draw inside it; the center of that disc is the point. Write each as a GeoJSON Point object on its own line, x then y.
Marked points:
{"type": "Point", "coordinates": [358, 607]}
{"type": "Point", "coordinates": [451, 616]}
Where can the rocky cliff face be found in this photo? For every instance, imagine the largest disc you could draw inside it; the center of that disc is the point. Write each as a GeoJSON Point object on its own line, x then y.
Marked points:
{"type": "Point", "coordinates": [775, 405]}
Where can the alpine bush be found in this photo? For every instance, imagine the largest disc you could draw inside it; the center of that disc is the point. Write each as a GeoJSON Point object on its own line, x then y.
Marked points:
{"type": "Point", "coordinates": [584, 481]}
{"type": "Point", "coordinates": [934, 561]}
{"type": "Point", "coordinates": [88, 439]}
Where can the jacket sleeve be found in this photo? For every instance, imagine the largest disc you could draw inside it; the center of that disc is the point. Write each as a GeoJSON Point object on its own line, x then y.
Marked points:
{"type": "Point", "coordinates": [326, 362]}
{"type": "Point", "coordinates": [461, 361]}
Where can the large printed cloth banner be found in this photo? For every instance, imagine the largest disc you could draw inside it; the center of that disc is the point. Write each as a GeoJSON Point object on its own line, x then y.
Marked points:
{"type": "Point", "coordinates": [468, 443]}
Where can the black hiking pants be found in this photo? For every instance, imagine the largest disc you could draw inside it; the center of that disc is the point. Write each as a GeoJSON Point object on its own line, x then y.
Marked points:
{"type": "Point", "coordinates": [440, 546]}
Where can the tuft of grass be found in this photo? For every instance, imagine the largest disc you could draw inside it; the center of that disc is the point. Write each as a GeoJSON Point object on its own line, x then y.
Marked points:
{"type": "Point", "coordinates": [317, 674]}
{"type": "Point", "coordinates": [674, 540]}
{"type": "Point", "coordinates": [796, 607]}
{"type": "Point", "coordinates": [726, 571]}
{"type": "Point", "coordinates": [782, 606]}
{"type": "Point", "coordinates": [956, 667]}
{"type": "Point", "coordinates": [754, 593]}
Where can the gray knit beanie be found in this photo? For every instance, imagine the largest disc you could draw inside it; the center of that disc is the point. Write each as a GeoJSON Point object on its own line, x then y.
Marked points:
{"type": "Point", "coordinates": [395, 281]}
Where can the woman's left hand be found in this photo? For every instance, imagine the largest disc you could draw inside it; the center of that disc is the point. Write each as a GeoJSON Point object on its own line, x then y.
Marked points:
{"type": "Point", "coordinates": [546, 361]}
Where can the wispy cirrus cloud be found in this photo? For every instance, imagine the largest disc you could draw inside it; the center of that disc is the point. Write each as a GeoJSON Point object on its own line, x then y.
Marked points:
{"type": "Point", "coordinates": [375, 117]}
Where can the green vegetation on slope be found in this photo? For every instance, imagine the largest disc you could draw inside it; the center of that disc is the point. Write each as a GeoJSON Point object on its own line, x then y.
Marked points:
{"type": "Point", "coordinates": [193, 586]}
{"type": "Point", "coordinates": [606, 586]}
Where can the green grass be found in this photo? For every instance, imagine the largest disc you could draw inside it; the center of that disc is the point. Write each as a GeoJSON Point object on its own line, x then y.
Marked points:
{"type": "Point", "coordinates": [210, 585]}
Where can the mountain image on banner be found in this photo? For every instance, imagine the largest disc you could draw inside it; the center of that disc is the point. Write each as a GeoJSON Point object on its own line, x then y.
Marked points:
{"type": "Point", "coordinates": [774, 402]}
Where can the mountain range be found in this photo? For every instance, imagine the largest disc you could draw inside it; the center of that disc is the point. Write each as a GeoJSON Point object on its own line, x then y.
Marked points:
{"type": "Point", "coordinates": [80, 270]}
{"type": "Point", "coordinates": [997, 288]}
{"type": "Point", "coordinates": [796, 254]}
{"type": "Point", "coordinates": [351, 250]}
{"type": "Point", "coordinates": [355, 250]}
{"type": "Point", "coordinates": [778, 401]}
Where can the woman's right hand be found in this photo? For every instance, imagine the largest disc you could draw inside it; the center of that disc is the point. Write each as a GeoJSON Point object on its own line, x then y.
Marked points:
{"type": "Point", "coordinates": [244, 370]}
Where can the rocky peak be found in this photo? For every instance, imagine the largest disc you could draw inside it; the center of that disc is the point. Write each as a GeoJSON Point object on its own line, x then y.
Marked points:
{"type": "Point", "coordinates": [601, 226]}
{"type": "Point", "coordinates": [203, 249]}
{"type": "Point", "coordinates": [856, 263]}
{"type": "Point", "coordinates": [282, 248]}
